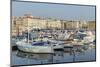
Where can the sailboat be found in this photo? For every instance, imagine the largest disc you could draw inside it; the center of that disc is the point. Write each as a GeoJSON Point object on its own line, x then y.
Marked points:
{"type": "Point", "coordinates": [34, 46]}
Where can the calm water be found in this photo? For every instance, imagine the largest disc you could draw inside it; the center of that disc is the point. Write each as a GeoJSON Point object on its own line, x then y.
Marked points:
{"type": "Point", "coordinates": [22, 58]}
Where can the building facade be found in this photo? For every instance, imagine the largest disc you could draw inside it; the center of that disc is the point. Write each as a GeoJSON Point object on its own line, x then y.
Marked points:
{"type": "Point", "coordinates": [29, 22]}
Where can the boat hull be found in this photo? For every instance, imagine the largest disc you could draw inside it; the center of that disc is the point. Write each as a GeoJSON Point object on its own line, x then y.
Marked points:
{"type": "Point", "coordinates": [58, 47]}
{"type": "Point", "coordinates": [34, 49]}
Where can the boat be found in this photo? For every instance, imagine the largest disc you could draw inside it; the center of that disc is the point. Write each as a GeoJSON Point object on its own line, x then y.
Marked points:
{"type": "Point", "coordinates": [57, 44]}
{"type": "Point", "coordinates": [35, 47]}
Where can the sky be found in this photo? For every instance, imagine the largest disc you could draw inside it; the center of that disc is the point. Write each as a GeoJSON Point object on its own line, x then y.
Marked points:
{"type": "Point", "coordinates": [57, 11]}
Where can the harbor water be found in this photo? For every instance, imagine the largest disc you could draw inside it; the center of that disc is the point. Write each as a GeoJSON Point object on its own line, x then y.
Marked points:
{"type": "Point", "coordinates": [86, 52]}
{"type": "Point", "coordinates": [23, 58]}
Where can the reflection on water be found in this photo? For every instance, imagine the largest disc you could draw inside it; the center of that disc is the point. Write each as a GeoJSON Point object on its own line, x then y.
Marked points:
{"type": "Point", "coordinates": [23, 58]}
{"type": "Point", "coordinates": [34, 56]}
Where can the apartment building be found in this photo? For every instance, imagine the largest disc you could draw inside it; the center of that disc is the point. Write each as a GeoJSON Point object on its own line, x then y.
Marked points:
{"type": "Point", "coordinates": [29, 22]}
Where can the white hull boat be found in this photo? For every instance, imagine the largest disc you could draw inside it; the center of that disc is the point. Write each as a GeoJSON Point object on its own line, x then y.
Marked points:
{"type": "Point", "coordinates": [36, 49]}
{"type": "Point", "coordinates": [57, 44]}
{"type": "Point", "coordinates": [27, 47]}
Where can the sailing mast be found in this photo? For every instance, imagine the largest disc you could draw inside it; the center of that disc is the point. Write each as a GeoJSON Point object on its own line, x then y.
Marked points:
{"type": "Point", "coordinates": [27, 30]}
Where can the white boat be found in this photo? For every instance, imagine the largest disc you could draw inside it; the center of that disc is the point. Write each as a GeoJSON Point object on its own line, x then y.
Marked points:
{"type": "Point", "coordinates": [57, 44]}
{"type": "Point", "coordinates": [35, 47]}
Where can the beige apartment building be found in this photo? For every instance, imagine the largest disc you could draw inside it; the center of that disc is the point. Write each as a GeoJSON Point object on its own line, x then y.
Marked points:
{"type": "Point", "coordinates": [32, 22]}
{"type": "Point", "coordinates": [91, 25]}
{"type": "Point", "coordinates": [29, 22]}
{"type": "Point", "coordinates": [70, 24]}
{"type": "Point", "coordinates": [53, 24]}
{"type": "Point", "coordinates": [84, 25]}
{"type": "Point", "coordinates": [17, 26]}
{"type": "Point", "coordinates": [87, 25]}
